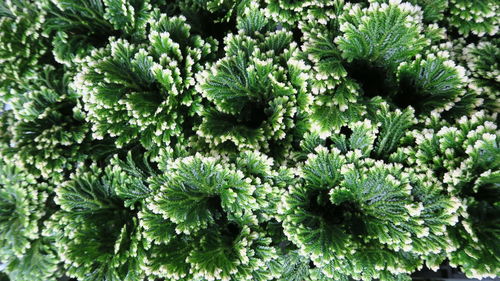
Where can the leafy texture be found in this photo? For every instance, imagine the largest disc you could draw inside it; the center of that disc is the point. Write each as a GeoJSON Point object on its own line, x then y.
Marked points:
{"type": "Point", "coordinates": [144, 92]}
{"type": "Point", "coordinates": [21, 207]}
{"type": "Point", "coordinates": [204, 221]}
{"type": "Point", "coordinates": [79, 26]}
{"type": "Point", "coordinates": [234, 140]}
{"type": "Point", "coordinates": [257, 92]}
{"type": "Point", "coordinates": [291, 11]}
{"type": "Point", "coordinates": [483, 62]}
{"type": "Point", "coordinates": [21, 45]}
{"type": "Point", "coordinates": [476, 17]}
{"type": "Point", "coordinates": [49, 131]}
{"type": "Point", "coordinates": [465, 157]}
{"type": "Point", "coordinates": [433, 10]}
{"type": "Point", "coordinates": [358, 217]}
{"type": "Point", "coordinates": [96, 233]}
{"type": "Point", "coordinates": [374, 52]}
{"type": "Point", "coordinates": [23, 250]}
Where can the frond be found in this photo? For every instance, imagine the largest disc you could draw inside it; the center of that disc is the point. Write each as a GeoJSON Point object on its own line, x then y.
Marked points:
{"type": "Point", "coordinates": [432, 10]}
{"type": "Point", "coordinates": [482, 60]}
{"type": "Point", "coordinates": [21, 45]}
{"type": "Point", "coordinates": [24, 253]}
{"type": "Point", "coordinates": [383, 35]}
{"type": "Point", "coordinates": [476, 17]}
{"type": "Point", "coordinates": [39, 262]}
{"type": "Point", "coordinates": [209, 207]}
{"type": "Point", "coordinates": [49, 133]}
{"type": "Point", "coordinates": [130, 91]}
{"type": "Point", "coordinates": [429, 84]}
{"type": "Point", "coordinates": [364, 218]}
{"type": "Point", "coordinates": [256, 93]}
{"type": "Point", "coordinates": [464, 156]}
{"type": "Point", "coordinates": [22, 202]}
{"type": "Point", "coordinates": [290, 11]}
{"type": "Point", "coordinates": [364, 57]}
{"type": "Point", "coordinates": [195, 188]}
{"type": "Point", "coordinates": [393, 127]}
{"type": "Point", "coordinates": [96, 234]}
{"type": "Point", "coordinates": [79, 26]}
{"type": "Point", "coordinates": [377, 137]}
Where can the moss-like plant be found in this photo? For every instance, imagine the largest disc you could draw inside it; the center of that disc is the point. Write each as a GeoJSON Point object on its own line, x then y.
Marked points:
{"type": "Point", "coordinates": [49, 131]}
{"type": "Point", "coordinates": [97, 231]}
{"type": "Point", "coordinates": [482, 60]}
{"type": "Point", "coordinates": [372, 52]}
{"type": "Point", "coordinates": [465, 157]}
{"type": "Point", "coordinates": [145, 92]}
{"type": "Point", "coordinates": [232, 140]}
{"type": "Point", "coordinates": [358, 217]}
{"type": "Point", "coordinates": [257, 92]}
{"type": "Point", "coordinates": [25, 253]}
{"type": "Point", "coordinates": [79, 26]}
{"type": "Point", "coordinates": [476, 17]}
{"type": "Point", "coordinates": [204, 220]}
{"type": "Point", "coordinates": [21, 45]}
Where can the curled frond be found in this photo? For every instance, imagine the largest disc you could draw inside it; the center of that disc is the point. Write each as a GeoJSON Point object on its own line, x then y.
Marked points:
{"type": "Point", "coordinates": [433, 10]}
{"type": "Point", "coordinates": [21, 45]}
{"type": "Point", "coordinates": [22, 201]}
{"type": "Point", "coordinates": [383, 35]}
{"type": "Point", "coordinates": [377, 138]}
{"type": "Point", "coordinates": [97, 235]}
{"type": "Point", "coordinates": [354, 216]}
{"type": "Point", "coordinates": [50, 134]}
{"type": "Point", "coordinates": [144, 92]}
{"type": "Point", "coordinates": [465, 157]}
{"type": "Point", "coordinates": [291, 11]}
{"type": "Point", "coordinates": [371, 55]}
{"type": "Point", "coordinates": [193, 185]}
{"type": "Point", "coordinates": [431, 83]}
{"type": "Point", "coordinates": [479, 17]}
{"type": "Point", "coordinates": [482, 60]}
{"type": "Point", "coordinates": [256, 93]}
{"type": "Point", "coordinates": [341, 221]}
{"type": "Point", "coordinates": [23, 251]}
{"type": "Point", "coordinates": [208, 209]}
{"type": "Point", "coordinates": [39, 262]}
{"type": "Point", "coordinates": [79, 26]}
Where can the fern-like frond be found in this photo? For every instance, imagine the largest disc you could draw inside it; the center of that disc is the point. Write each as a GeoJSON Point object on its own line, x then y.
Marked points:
{"type": "Point", "coordinates": [97, 235]}
{"type": "Point", "coordinates": [256, 93]}
{"type": "Point", "coordinates": [210, 208]}
{"type": "Point", "coordinates": [464, 156]}
{"type": "Point", "coordinates": [22, 46]}
{"type": "Point", "coordinates": [130, 91]}
{"type": "Point", "coordinates": [478, 17]}
{"type": "Point", "coordinates": [79, 26]}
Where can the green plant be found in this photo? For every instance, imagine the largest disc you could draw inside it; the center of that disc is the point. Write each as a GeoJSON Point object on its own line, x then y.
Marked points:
{"type": "Point", "coordinates": [145, 92]}
{"type": "Point", "coordinates": [204, 218]}
{"type": "Point", "coordinates": [97, 231]}
{"type": "Point", "coordinates": [465, 157]}
{"type": "Point", "coordinates": [240, 140]}
{"type": "Point", "coordinates": [482, 61]}
{"type": "Point", "coordinates": [476, 17]}
{"type": "Point", "coordinates": [21, 45]}
{"type": "Point", "coordinates": [23, 250]}
{"type": "Point", "coordinates": [353, 215]}
{"type": "Point", "coordinates": [366, 53]}
{"type": "Point", "coordinates": [257, 92]}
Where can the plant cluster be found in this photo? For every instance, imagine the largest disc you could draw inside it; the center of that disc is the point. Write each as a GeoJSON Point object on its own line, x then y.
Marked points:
{"type": "Point", "coordinates": [248, 140]}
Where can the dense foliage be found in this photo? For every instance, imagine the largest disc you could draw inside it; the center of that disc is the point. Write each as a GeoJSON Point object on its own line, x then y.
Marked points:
{"type": "Point", "coordinates": [248, 140]}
